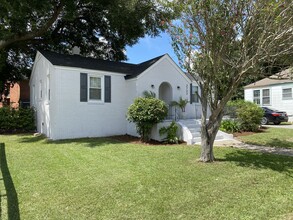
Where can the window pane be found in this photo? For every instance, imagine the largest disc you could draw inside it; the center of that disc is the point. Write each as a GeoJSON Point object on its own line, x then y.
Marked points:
{"type": "Point", "coordinates": [256, 96]}
{"type": "Point", "coordinates": [265, 92]}
{"type": "Point", "coordinates": [256, 93]}
{"type": "Point", "coordinates": [95, 94]}
{"type": "Point", "coordinates": [266, 97]}
{"type": "Point", "coordinates": [194, 95]}
{"type": "Point", "coordinates": [287, 93]}
{"type": "Point", "coordinates": [95, 82]}
{"type": "Point", "coordinates": [266, 100]}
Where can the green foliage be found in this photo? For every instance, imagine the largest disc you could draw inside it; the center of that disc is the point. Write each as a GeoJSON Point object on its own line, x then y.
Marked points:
{"type": "Point", "coordinates": [16, 120]}
{"type": "Point", "coordinates": [145, 113]}
{"type": "Point", "coordinates": [149, 94]}
{"type": "Point", "coordinates": [230, 126]}
{"type": "Point", "coordinates": [181, 103]}
{"type": "Point", "coordinates": [248, 114]}
{"type": "Point", "coordinates": [171, 132]}
{"type": "Point", "coordinates": [100, 28]}
{"type": "Point", "coordinates": [271, 137]}
{"type": "Point", "coordinates": [135, 181]}
{"type": "Point", "coordinates": [221, 43]}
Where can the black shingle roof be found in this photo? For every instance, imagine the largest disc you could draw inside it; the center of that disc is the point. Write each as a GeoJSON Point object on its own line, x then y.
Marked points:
{"type": "Point", "coordinates": [131, 70]}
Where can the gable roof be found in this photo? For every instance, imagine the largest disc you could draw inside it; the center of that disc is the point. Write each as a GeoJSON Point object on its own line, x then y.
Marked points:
{"type": "Point", "coordinates": [131, 70]}
{"type": "Point", "coordinates": [285, 76]}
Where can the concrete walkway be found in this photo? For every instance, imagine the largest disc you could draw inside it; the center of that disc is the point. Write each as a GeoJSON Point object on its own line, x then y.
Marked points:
{"type": "Point", "coordinates": [279, 126]}
{"type": "Point", "coordinates": [238, 144]}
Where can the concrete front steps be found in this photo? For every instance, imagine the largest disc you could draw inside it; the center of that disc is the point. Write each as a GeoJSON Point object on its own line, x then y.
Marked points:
{"type": "Point", "coordinates": [191, 132]}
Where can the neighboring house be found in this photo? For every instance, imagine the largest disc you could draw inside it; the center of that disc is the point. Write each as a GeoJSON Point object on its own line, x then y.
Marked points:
{"type": "Point", "coordinates": [275, 91]}
{"type": "Point", "coordinates": [78, 97]}
{"type": "Point", "coordinates": [18, 95]}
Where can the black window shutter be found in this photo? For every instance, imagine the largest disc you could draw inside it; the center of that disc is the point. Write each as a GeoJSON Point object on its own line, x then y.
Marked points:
{"type": "Point", "coordinates": [83, 87]}
{"type": "Point", "coordinates": [190, 93]}
{"type": "Point", "coordinates": [107, 89]}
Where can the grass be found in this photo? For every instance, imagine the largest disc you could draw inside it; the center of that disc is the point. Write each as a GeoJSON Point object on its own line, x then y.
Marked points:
{"type": "Point", "coordinates": [107, 179]}
{"type": "Point", "coordinates": [271, 137]}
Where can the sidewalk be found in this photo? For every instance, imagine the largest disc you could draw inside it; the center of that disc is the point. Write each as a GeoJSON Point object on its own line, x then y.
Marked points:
{"type": "Point", "coordinates": [238, 144]}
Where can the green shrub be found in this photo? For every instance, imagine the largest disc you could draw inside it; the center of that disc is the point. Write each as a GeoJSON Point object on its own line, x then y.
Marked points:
{"type": "Point", "coordinates": [181, 103]}
{"type": "Point", "coordinates": [230, 126]}
{"type": "Point", "coordinates": [145, 113]}
{"type": "Point", "coordinates": [16, 120]}
{"type": "Point", "coordinates": [171, 132]}
{"type": "Point", "coordinates": [248, 114]}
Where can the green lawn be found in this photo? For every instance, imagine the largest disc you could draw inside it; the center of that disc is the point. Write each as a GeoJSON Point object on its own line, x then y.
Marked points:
{"type": "Point", "coordinates": [271, 137]}
{"type": "Point", "coordinates": [107, 179]}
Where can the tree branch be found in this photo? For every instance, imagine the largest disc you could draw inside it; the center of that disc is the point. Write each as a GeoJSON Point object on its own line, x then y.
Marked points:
{"type": "Point", "coordinates": [31, 35]}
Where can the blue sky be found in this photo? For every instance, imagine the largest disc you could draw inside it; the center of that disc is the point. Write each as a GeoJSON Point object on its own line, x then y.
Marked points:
{"type": "Point", "coordinates": [148, 48]}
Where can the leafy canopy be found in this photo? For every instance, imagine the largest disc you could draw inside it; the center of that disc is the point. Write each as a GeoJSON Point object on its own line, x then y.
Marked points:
{"type": "Point", "coordinates": [221, 42]}
{"type": "Point", "coordinates": [101, 29]}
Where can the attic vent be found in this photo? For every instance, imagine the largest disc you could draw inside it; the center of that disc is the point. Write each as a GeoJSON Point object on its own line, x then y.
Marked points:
{"type": "Point", "coordinates": [76, 50]}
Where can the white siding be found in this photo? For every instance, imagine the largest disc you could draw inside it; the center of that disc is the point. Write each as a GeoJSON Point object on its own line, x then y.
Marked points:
{"type": "Point", "coordinates": [166, 70]}
{"type": "Point", "coordinates": [39, 87]}
{"type": "Point", "coordinates": [277, 102]}
{"type": "Point", "coordinates": [131, 94]}
{"type": "Point", "coordinates": [75, 119]}
{"type": "Point", "coordinates": [64, 116]}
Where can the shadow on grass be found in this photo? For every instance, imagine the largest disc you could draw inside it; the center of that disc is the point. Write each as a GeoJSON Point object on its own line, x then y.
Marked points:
{"type": "Point", "coordinates": [274, 142]}
{"type": "Point", "coordinates": [12, 200]}
{"type": "Point", "coordinates": [256, 160]}
{"type": "Point", "coordinates": [87, 142]}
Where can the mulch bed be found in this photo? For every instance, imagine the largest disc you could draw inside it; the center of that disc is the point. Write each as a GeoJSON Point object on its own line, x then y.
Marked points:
{"type": "Point", "coordinates": [135, 140]}
{"type": "Point", "coordinates": [245, 133]}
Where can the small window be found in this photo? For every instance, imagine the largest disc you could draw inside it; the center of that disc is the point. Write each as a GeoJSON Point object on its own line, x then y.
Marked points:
{"type": "Point", "coordinates": [287, 93]}
{"type": "Point", "coordinates": [194, 95]}
{"type": "Point", "coordinates": [266, 97]}
{"type": "Point", "coordinates": [256, 96]}
{"type": "Point", "coordinates": [95, 88]}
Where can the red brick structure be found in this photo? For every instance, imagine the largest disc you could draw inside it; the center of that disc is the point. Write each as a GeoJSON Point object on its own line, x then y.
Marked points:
{"type": "Point", "coordinates": [19, 95]}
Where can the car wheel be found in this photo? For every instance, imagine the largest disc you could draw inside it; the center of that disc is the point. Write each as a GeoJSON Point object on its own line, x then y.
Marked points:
{"type": "Point", "coordinates": [277, 123]}
{"type": "Point", "coordinates": [264, 121]}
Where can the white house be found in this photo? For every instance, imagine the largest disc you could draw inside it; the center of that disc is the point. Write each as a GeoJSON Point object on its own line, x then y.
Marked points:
{"type": "Point", "coordinates": [275, 91]}
{"type": "Point", "coordinates": [76, 97]}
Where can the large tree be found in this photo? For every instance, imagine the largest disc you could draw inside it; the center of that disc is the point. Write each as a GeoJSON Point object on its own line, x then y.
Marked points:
{"type": "Point", "coordinates": [101, 28]}
{"type": "Point", "coordinates": [221, 42]}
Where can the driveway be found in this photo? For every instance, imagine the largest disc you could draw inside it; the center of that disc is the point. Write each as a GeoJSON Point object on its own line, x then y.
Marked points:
{"type": "Point", "coordinates": [279, 126]}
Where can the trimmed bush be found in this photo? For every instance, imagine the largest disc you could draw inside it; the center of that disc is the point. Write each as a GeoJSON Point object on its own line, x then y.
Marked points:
{"type": "Point", "coordinates": [250, 116]}
{"type": "Point", "coordinates": [145, 113]}
{"type": "Point", "coordinates": [16, 120]}
{"type": "Point", "coordinates": [246, 113]}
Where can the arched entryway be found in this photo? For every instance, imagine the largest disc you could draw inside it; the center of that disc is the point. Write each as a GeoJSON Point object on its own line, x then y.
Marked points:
{"type": "Point", "coordinates": [165, 92]}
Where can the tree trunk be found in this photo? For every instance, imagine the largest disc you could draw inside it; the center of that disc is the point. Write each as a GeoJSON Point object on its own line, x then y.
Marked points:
{"type": "Point", "coordinates": [207, 153]}
{"type": "Point", "coordinates": [209, 131]}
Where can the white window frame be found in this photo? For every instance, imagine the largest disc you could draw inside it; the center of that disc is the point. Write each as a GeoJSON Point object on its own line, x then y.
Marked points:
{"type": "Point", "coordinates": [102, 88]}
{"type": "Point", "coordinates": [287, 98]}
{"type": "Point", "coordinates": [256, 97]}
{"type": "Point", "coordinates": [261, 97]}
{"type": "Point", "coordinates": [269, 96]}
